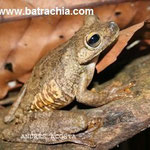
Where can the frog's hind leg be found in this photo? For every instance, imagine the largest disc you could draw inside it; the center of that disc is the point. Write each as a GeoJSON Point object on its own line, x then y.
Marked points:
{"type": "Point", "coordinates": [10, 115]}
{"type": "Point", "coordinates": [49, 127]}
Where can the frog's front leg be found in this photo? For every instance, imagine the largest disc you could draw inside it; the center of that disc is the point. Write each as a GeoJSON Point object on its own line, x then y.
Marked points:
{"type": "Point", "coordinates": [96, 99]}
{"type": "Point", "coordinates": [48, 127]}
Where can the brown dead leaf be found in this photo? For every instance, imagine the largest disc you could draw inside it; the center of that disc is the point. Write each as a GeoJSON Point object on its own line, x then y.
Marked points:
{"type": "Point", "coordinates": [8, 41]}
{"type": "Point", "coordinates": [24, 42]}
{"type": "Point", "coordinates": [112, 10]}
{"type": "Point", "coordinates": [124, 14]}
{"type": "Point", "coordinates": [124, 37]}
{"type": "Point", "coordinates": [12, 4]}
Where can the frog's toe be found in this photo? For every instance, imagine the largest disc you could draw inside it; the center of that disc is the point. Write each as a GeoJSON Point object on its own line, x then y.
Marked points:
{"type": "Point", "coordinates": [94, 124]}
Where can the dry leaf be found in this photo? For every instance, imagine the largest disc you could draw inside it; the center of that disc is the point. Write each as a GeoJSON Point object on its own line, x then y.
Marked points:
{"type": "Point", "coordinates": [123, 39]}
{"type": "Point", "coordinates": [124, 14]}
{"type": "Point", "coordinates": [24, 42]}
{"type": "Point", "coordinates": [129, 12]}
{"type": "Point", "coordinates": [27, 41]}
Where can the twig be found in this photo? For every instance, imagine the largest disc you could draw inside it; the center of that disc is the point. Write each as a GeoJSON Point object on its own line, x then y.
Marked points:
{"type": "Point", "coordinates": [8, 100]}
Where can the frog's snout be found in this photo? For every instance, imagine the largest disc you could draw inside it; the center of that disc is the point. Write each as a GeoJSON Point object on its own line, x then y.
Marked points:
{"type": "Point", "coordinates": [113, 27]}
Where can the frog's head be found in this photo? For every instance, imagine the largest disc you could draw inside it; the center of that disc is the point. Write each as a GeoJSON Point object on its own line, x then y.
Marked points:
{"type": "Point", "coordinates": [94, 37]}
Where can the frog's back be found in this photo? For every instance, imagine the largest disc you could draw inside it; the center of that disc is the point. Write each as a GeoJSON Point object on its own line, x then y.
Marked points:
{"type": "Point", "coordinates": [53, 88]}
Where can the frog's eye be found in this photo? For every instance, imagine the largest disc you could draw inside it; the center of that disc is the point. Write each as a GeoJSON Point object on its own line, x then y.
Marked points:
{"type": "Point", "coordinates": [93, 40]}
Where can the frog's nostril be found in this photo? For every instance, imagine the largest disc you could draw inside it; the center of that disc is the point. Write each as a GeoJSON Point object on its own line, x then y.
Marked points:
{"type": "Point", "coordinates": [113, 26]}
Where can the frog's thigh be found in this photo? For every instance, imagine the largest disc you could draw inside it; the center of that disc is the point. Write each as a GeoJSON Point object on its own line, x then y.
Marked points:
{"type": "Point", "coordinates": [62, 121]}
{"type": "Point", "coordinates": [46, 123]}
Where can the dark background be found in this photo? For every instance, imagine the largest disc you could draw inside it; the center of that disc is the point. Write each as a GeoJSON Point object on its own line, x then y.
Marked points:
{"type": "Point", "coordinates": [140, 141]}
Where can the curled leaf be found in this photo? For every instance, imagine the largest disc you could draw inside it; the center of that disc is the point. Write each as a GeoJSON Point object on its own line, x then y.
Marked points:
{"type": "Point", "coordinates": [124, 37]}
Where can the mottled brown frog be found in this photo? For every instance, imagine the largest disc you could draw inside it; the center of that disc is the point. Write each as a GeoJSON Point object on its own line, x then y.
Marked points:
{"type": "Point", "coordinates": [62, 76]}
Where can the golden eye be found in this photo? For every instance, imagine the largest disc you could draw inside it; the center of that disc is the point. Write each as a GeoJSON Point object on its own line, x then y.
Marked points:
{"type": "Point", "coordinates": [93, 40]}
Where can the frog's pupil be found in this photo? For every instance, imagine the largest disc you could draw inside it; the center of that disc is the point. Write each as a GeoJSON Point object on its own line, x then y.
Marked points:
{"type": "Point", "coordinates": [93, 39]}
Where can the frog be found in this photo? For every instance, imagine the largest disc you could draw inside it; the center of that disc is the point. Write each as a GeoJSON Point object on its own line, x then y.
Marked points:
{"type": "Point", "coordinates": [59, 78]}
